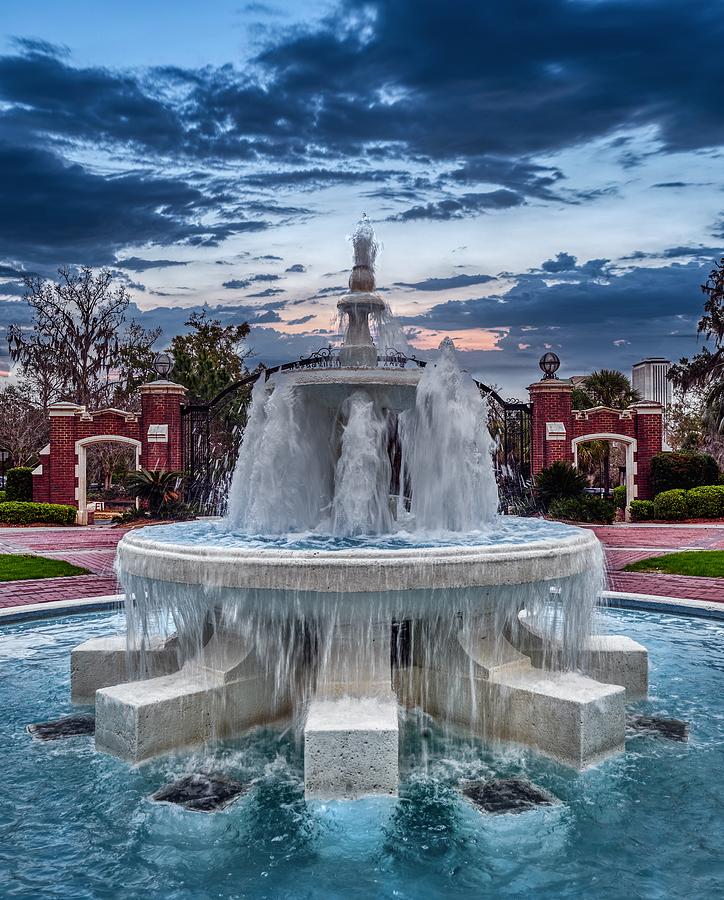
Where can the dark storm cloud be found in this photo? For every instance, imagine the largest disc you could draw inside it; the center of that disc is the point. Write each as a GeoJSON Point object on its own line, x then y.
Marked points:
{"type": "Point", "coordinates": [297, 267]}
{"type": "Point", "coordinates": [699, 252]}
{"type": "Point", "coordinates": [486, 84]}
{"type": "Point", "coordinates": [302, 321]}
{"type": "Point", "coordinates": [269, 292]}
{"type": "Point", "coordinates": [563, 262]}
{"type": "Point", "coordinates": [136, 264]}
{"type": "Point", "coordinates": [236, 283]}
{"type": "Point", "coordinates": [442, 284]}
{"type": "Point", "coordinates": [533, 301]}
{"type": "Point", "coordinates": [459, 207]}
{"type": "Point", "coordinates": [55, 213]}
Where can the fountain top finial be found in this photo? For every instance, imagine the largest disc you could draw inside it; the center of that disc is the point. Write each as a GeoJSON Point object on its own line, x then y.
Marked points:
{"type": "Point", "coordinates": [364, 247]}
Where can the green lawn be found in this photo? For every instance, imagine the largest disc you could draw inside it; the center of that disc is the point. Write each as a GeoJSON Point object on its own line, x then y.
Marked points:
{"type": "Point", "coordinates": [691, 562]}
{"type": "Point", "coordinates": [18, 566]}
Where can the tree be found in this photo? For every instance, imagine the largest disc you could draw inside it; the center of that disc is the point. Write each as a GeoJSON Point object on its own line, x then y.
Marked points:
{"type": "Point", "coordinates": [606, 387]}
{"type": "Point", "coordinates": [82, 348]}
{"type": "Point", "coordinates": [23, 426]}
{"type": "Point", "coordinates": [210, 358]}
{"type": "Point", "coordinates": [704, 372]}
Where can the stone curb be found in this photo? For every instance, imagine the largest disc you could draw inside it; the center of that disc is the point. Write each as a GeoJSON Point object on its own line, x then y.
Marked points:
{"type": "Point", "coordinates": [675, 605]}
{"type": "Point", "coordinates": [56, 608]}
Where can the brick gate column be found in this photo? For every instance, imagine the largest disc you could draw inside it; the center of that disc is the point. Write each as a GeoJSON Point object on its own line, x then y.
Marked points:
{"type": "Point", "coordinates": [552, 423]}
{"type": "Point", "coordinates": [161, 425]}
{"type": "Point", "coordinates": [650, 441]}
{"type": "Point", "coordinates": [61, 461]}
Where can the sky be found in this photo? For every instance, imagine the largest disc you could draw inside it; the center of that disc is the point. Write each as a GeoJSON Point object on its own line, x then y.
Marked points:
{"type": "Point", "coordinates": [542, 174]}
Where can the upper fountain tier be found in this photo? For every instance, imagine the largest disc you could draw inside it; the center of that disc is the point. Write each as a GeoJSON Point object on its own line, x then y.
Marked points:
{"type": "Point", "coordinates": [356, 307]}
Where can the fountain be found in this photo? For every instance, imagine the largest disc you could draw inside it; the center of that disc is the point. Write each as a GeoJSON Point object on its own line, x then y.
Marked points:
{"type": "Point", "coordinates": [362, 572]}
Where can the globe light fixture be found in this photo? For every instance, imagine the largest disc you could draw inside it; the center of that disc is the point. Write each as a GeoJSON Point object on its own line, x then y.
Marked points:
{"type": "Point", "coordinates": [549, 364]}
{"type": "Point", "coordinates": [163, 363]}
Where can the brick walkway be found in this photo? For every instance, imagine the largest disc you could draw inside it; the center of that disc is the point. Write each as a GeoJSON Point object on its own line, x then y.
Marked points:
{"type": "Point", "coordinates": [625, 544]}
{"type": "Point", "coordinates": [94, 549]}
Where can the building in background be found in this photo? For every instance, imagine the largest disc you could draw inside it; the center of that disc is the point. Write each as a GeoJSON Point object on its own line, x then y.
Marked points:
{"type": "Point", "coordinates": [648, 377]}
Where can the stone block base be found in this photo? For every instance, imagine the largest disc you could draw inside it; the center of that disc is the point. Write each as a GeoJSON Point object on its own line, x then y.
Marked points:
{"type": "Point", "coordinates": [351, 748]}
{"type": "Point", "coordinates": [103, 662]}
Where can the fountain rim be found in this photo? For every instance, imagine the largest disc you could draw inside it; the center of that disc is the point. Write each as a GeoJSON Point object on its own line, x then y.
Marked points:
{"type": "Point", "coordinates": [329, 571]}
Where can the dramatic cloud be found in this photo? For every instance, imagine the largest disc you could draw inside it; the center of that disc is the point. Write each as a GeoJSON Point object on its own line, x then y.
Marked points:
{"type": "Point", "coordinates": [459, 207]}
{"type": "Point", "coordinates": [236, 283]}
{"type": "Point", "coordinates": [136, 264]}
{"type": "Point", "coordinates": [443, 284]}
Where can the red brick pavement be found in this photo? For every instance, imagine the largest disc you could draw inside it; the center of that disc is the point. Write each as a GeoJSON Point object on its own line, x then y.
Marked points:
{"type": "Point", "coordinates": [94, 549]}
{"type": "Point", "coordinates": [624, 544]}
{"type": "Point", "coordinates": [45, 590]}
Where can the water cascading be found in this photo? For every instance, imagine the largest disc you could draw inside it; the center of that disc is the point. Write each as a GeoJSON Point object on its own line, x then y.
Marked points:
{"type": "Point", "coordinates": [362, 572]}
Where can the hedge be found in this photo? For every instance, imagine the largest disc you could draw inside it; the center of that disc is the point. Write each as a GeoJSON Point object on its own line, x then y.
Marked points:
{"type": "Point", "coordinates": [706, 502]}
{"type": "Point", "coordinates": [584, 509]}
{"type": "Point", "coordinates": [641, 510]}
{"type": "Point", "coordinates": [682, 470]}
{"type": "Point", "coordinates": [19, 484]}
{"type": "Point", "coordinates": [619, 497]}
{"type": "Point", "coordinates": [2, 496]}
{"type": "Point", "coordinates": [670, 504]}
{"type": "Point", "coordinates": [12, 513]}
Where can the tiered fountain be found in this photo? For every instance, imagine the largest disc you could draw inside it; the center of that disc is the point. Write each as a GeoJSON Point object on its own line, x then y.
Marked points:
{"type": "Point", "coordinates": [362, 570]}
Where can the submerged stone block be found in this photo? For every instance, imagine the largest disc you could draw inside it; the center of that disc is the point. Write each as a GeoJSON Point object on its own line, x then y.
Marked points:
{"type": "Point", "coordinates": [103, 662]}
{"type": "Point", "coordinates": [67, 726]}
{"type": "Point", "coordinates": [351, 748]}
{"type": "Point", "coordinates": [507, 795]}
{"type": "Point", "coordinates": [673, 729]}
{"type": "Point", "coordinates": [202, 792]}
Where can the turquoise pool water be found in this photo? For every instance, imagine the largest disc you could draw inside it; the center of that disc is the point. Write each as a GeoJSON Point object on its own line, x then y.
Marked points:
{"type": "Point", "coordinates": [76, 824]}
{"type": "Point", "coordinates": [216, 533]}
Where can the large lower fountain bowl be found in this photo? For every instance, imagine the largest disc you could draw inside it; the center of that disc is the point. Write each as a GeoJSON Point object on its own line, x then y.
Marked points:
{"type": "Point", "coordinates": [512, 552]}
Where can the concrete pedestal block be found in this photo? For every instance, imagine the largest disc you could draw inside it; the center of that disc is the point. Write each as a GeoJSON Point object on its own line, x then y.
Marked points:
{"type": "Point", "coordinates": [223, 692]}
{"type": "Point", "coordinates": [616, 659]}
{"type": "Point", "coordinates": [612, 659]}
{"type": "Point", "coordinates": [562, 714]}
{"type": "Point", "coordinates": [351, 748]}
{"type": "Point", "coordinates": [103, 662]}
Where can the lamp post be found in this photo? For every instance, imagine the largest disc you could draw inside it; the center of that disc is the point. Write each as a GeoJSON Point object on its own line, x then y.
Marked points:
{"type": "Point", "coordinates": [549, 364]}
{"type": "Point", "coordinates": [163, 363]}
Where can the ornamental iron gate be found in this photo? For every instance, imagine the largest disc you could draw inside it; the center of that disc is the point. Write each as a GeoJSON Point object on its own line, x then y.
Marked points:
{"type": "Point", "coordinates": [212, 434]}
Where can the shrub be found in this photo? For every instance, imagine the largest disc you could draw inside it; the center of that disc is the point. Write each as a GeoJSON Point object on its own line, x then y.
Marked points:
{"type": "Point", "coordinates": [641, 510]}
{"type": "Point", "coordinates": [584, 509]}
{"type": "Point", "coordinates": [558, 482]}
{"type": "Point", "coordinates": [682, 470]}
{"type": "Point", "coordinates": [157, 487]}
{"type": "Point", "coordinates": [12, 513]}
{"type": "Point", "coordinates": [670, 504]}
{"type": "Point", "coordinates": [706, 502]}
{"type": "Point", "coordinates": [619, 497]}
{"type": "Point", "coordinates": [19, 484]}
{"type": "Point", "coordinates": [2, 496]}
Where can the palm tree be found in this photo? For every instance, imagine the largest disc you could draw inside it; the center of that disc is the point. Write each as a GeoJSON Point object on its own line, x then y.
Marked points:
{"type": "Point", "coordinates": [606, 387]}
{"type": "Point", "coordinates": [157, 487]}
